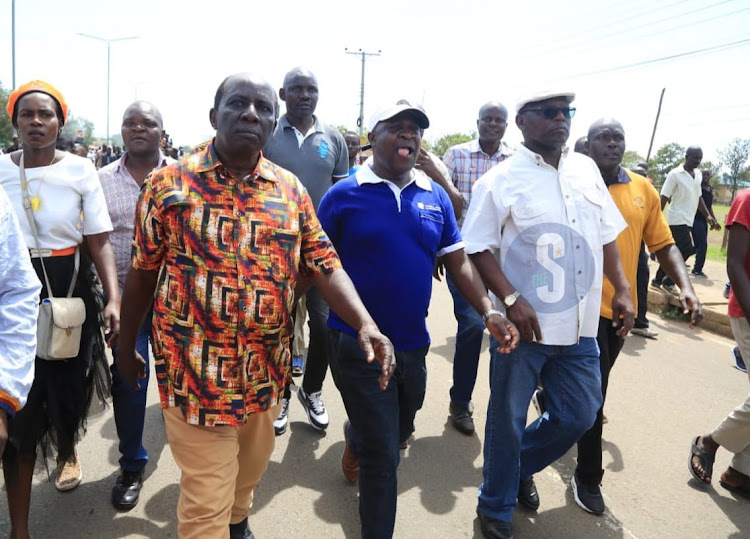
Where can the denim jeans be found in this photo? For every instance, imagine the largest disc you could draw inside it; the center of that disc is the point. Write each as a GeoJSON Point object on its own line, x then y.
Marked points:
{"type": "Point", "coordinates": [468, 346]}
{"type": "Point", "coordinates": [513, 451]}
{"type": "Point", "coordinates": [380, 421]}
{"type": "Point", "coordinates": [130, 407]}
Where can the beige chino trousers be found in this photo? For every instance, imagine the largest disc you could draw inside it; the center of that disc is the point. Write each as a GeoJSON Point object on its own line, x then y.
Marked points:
{"type": "Point", "coordinates": [733, 434]}
{"type": "Point", "coordinates": [221, 467]}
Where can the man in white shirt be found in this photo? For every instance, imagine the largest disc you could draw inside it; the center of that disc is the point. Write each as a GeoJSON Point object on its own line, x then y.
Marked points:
{"type": "Point", "coordinates": [682, 191]}
{"type": "Point", "coordinates": [541, 229]}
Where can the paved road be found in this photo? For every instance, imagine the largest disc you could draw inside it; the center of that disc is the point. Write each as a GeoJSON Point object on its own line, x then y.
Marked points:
{"type": "Point", "coordinates": [662, 393]}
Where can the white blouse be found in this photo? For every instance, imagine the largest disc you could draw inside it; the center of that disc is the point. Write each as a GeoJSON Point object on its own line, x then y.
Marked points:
{"type": "Point", "coordinates": [71, 201]}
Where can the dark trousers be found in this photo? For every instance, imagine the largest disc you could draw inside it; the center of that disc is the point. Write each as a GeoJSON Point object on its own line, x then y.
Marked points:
{"type": "Point", "coordinates": [130, 407]}
{"type": "Point", "coordinates": [589, 470]}
{"type": "Point", "coordinates": [380, 421]}
{"type": "Point", "coordinates": [684, 241]}
{"type": "Point", "coordinates": [700, 238]}
{"type": "Point", "coordinates": [316, 365]}
{"type": "Point", "coordinates": [641, 284]}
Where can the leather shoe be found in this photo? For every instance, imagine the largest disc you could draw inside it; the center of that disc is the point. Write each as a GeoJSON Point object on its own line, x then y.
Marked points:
{"type": "Point", "coordinates": [127, 490]}
{"type": "Point", "coordinates": [349, 460]}
{"type": "Point", "coordinates": [461, 418]}
{"type": "Point", "coordinates": [495, 529]}
{"type": "Point", "coordinates": [528, 495]}
{"type": "Point", "coordinates": [240, 530]}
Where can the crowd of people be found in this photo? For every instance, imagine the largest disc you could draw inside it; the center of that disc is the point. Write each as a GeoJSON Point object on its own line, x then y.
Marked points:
{"type": "Point", "coordinates": [210, 264]}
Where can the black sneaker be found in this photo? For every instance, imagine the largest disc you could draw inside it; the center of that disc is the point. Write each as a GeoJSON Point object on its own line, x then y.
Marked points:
{"type": "Point", "coordinates": [588, 497]}
{"type": "Point", "coordinates": [528, 495]}
{"type": "Point", "coordinates": [127, 490]}
{"type": "Point", "coordinates": [240, 530]}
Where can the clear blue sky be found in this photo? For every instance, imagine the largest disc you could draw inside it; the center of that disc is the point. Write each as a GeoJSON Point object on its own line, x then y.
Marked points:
{"type": "Point", "coordinates": [451, 56]}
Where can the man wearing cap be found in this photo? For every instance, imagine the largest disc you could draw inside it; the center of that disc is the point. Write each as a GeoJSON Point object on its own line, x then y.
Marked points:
{"type": "Point", "coordinates": [546, 216]}
{"type": "Point", "coordinates": [315, 153]}
{"type": "Point", "coordinates": [406, 221]}
{"type": "Point", "coordinates": [466, 163]}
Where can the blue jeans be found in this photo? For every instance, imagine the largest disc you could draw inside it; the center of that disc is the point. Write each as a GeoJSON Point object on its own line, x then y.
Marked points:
{"type": "Point", "coordinates": [512, 451]}
{"type": "Point", "coordinates": [380, 421]}
{"type": "Point", "coordinates": [130, 407]}
{"type": "Point", "coordinates": [468, 346]}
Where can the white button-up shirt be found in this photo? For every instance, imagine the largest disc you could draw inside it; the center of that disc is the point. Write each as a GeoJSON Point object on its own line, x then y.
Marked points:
{"type": "Point", "coordinates": [684, 192]}
{"type": "Point", "coordinates": [547, 227]}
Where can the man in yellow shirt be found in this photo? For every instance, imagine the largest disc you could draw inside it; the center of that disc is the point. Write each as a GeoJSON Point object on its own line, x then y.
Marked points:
{"type": "Point", "coordinates": [640, 206]}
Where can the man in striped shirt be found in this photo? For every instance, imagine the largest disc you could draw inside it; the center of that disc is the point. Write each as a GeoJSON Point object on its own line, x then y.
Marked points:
{"type": "Point", "coordinates": [466, 163]}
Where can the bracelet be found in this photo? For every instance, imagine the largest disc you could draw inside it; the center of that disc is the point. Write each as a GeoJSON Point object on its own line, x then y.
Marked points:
{"type": "Point", "coordinates": [489, 313]}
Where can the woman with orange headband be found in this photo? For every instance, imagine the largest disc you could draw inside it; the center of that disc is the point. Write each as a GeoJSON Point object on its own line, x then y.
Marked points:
{"type": "Point", "coordinates": [69, 210]}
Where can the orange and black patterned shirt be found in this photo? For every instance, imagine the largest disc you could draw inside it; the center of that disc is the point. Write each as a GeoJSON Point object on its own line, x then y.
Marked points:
{"type": "Point", "coordinates": [228, 253]}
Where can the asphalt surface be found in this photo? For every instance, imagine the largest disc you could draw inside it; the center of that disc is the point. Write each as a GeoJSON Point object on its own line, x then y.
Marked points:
{"type": "Point", "coordinates": [662, 394]}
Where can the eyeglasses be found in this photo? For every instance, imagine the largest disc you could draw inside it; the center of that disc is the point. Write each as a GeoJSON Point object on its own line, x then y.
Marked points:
{"type": "Point", "coordinates": [550, 113]}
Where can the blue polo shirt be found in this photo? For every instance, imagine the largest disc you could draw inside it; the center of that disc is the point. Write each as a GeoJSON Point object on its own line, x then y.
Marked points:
{"type": "Point", "coordinates": [388, 239]}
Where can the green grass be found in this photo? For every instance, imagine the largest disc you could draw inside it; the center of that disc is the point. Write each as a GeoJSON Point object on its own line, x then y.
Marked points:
{"type": "Point", "coordinates": [715, 236]}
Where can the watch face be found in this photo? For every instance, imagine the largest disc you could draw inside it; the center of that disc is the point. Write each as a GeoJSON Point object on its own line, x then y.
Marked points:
{"type": "Point", "coordinates": [509, 301]}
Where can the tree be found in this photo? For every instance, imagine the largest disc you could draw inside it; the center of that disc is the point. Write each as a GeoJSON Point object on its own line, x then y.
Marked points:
{"type": "Point", "coordinates": [6, 126]}
{"type": "Point", "coordinates": [667, 157]}
{"type": "Point", "coordinates": [75, 123]}
{"type": "Point", "coordinates": [631, 159]}
{"type": "Point", "coordinates": [734, 158]}
{"type": "Point", "coordinates": [440, 146]}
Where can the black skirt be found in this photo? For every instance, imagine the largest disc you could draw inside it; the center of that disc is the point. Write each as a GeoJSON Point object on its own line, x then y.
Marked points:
{"type": "Point", "coordinates": [63, 390]}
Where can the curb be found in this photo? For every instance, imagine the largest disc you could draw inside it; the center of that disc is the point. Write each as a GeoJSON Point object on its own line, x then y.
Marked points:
{"type": "Point", "coordinates": [715, 317]}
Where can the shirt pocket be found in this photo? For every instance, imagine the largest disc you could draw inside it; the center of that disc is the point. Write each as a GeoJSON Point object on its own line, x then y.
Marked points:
{"type": "Point", "coordinates": [528, 214]}
{"type": "Point", "coordinates": [432, 225]}
{"type": "Point", "coordinates": [591, 208]}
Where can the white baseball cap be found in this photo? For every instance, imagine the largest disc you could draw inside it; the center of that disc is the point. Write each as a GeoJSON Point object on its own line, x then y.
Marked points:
{"type": "Point", "coordinates": [388, 112]}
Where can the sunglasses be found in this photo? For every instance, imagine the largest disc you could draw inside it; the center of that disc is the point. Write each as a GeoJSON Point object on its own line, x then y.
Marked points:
{"type": "Point", "coordinates": [550, 113]}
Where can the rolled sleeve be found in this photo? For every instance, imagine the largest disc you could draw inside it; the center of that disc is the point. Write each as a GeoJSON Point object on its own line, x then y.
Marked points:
{"type": "Point", "coordinates": [317, 254]}
{"type": "Point", "coordinates": [148, 235]}
{"type": "Point", "coordinates": [483, 222]}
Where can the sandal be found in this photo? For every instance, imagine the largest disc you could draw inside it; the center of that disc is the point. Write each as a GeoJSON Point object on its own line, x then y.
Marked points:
{"type": "Point", "coordinates": [742, 489]}
{"type": "Point", "coordinates": [707, 461]}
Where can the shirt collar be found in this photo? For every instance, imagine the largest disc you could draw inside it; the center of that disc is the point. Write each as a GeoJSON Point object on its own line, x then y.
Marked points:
{"type": "Point", "coordinates": [365, 174]}
{"type": "Point", "coordinates": [208, 160]}
{"type": "Point", "coordinates": [285, 124]}
{"type": "Point", "coordinates": [622, 177]}
{"type": "Point", "coordinates": [535, 157]}
{"type": "Point", "coordinates": [160, 164]}
{"type": "Point", "coordinates": [475, 147]}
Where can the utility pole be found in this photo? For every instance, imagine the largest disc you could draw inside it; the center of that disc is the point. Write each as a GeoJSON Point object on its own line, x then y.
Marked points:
{"type": "Point", "coordinates": [363, 55]}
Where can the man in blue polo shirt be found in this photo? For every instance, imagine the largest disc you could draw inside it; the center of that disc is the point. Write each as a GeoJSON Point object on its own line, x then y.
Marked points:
{"type": "Point", "coordinates": [316, 153]}
{"type": "Point", "coordinates": [389, 222]}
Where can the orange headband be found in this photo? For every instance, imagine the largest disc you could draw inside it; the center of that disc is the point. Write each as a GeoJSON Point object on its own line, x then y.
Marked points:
{"type": "Point", "coordinates": [36, 86]}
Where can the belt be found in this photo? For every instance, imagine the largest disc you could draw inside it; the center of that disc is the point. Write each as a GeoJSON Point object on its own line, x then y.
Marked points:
{"type": "Point", "coordinates": [45, 253]}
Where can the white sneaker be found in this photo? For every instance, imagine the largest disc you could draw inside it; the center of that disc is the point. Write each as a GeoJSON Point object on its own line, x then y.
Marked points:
{"type": "Point", "coordinates": [280, 423]}
{"type": "Point", "coordinates": [316, 410]}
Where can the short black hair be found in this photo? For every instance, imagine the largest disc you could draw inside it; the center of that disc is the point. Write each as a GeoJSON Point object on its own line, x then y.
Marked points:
{"type": "Point", "coordinates": [219, 94]}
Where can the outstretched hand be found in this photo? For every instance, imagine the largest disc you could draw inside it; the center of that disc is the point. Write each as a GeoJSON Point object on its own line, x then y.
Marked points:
{"type": "Point", "coordinates": [378, 347]}
{"type": "Point", "coordinates": [505, 332]}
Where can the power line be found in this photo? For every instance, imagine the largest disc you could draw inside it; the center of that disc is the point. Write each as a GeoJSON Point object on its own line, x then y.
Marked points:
{"type": "Point", "coordinates": [733, 44]}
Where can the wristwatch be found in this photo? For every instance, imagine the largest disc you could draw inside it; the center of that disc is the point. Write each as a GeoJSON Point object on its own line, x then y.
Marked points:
{"type": "Point", "coordinates": [510, 300]}
{"type": "Point", "coordinates": [489, 313]}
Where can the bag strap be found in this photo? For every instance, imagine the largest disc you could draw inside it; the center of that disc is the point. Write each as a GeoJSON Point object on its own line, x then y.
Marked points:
{"type": "Point", "coordinates": [32, 224]}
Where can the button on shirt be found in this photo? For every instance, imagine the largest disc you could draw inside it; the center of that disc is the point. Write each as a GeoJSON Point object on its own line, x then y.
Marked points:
{"type": "Point", "coordinates": [525, 199]}
{"type": "Point", "coordinates": [121, 192]}
{"type": "Point", "coordinates": [684, 191]}
{"type": "Point", "coordinates": [228, 254]}
{"type": "Point", "coordinates": [467, 163]}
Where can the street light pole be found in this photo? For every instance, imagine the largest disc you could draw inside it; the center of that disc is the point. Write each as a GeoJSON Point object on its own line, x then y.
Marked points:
{"type": "Point", "coordinates": [109, 44]}
{"type": "Point", "coordinates": [13, 42]}
{"type": "Point", "coordinates": [363, 55]}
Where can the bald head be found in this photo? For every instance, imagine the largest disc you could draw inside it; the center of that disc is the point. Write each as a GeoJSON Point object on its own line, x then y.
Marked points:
{"type": "Point", "coordinates": [298, 72]}
{"type": "Point", "coordinates": [602, 123]}
{"type": "Point", "coordinates": [144, 107]}
{"type": "Point", "coordinates": [242, 77]}
{"type": "Point", "coordinates": [300, 95]}
{"type": "Point", "coordinates": [141, 131]}
{"type": "Point", "coordinates": [693, 158]}
{"type": "Point", "coordinates": [491, 125]}
{"type": "Point", "coordinates": [606, 146]}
